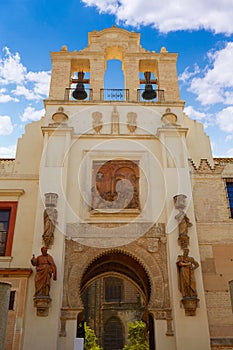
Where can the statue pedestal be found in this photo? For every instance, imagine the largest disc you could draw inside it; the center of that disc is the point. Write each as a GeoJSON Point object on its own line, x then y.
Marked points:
{"type": "Point", "coordinates": [42, 304]}
{"type": "Point", "coordinates": [190, 305]}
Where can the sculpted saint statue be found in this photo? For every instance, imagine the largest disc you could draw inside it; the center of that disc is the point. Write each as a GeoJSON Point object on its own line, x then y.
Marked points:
{"type": "Point", "coordinates": [186, 279]}
{"type": "Point", "coordinates": [45, 269]}
{"type": "Point", "coordinates": [50, 220]}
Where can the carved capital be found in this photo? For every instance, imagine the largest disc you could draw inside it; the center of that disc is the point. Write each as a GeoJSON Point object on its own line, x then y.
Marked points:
{"type": "Point", "coordinates": [67, 314]}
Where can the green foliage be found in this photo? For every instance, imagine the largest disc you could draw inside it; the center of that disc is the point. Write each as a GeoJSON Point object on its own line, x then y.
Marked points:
{"type": "Point", "coordinates": [137, 336]}
{"type": "Point", "coordinates": [90, 339]}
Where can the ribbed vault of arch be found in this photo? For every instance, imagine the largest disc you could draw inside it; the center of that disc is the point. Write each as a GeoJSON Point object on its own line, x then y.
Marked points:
{"type": "Point", "coordinates": [120, 263]}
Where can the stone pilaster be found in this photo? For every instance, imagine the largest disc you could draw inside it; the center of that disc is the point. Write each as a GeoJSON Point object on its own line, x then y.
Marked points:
{"type": "Point", "coordinates": [97, 76]}
{"type": "Point", "coordinates": [60, 78]}
{"type": "Point", "coordinates": [167, 76]}
{"type": "Point", "coordinates": [4, 303]}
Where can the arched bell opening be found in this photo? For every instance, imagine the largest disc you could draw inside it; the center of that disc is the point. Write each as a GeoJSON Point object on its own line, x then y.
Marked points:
{"type": "Point", "coordinates": [80, 86]}
{"type": "Point", "coordinates": [114, 81]}
{"type": "Point", "coordinates": [80, 80]}
{"type": "Point", "coordinates": [115, 290]}
{"type": "Point", "coordinates": [148, 76]}
{"type": "Point", "coordinates": [114, 75]}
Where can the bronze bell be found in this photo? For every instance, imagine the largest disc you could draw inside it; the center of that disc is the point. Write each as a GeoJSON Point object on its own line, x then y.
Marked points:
{"type": "Point", "coordinates": [79, 92]}
{"type": "Point", "coordinates": [149, 93]}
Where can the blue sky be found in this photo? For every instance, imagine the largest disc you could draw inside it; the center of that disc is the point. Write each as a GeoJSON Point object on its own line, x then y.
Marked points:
{"type": "Point", "coordinates": [201, 32]}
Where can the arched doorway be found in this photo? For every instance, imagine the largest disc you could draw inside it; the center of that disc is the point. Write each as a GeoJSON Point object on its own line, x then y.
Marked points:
{"type": "Point", "coordinates": [113, 335]}
{"type": "Point", "coordinates": [115, 290]}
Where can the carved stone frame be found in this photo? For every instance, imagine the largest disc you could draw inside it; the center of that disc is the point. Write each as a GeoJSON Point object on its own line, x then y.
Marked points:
{"type": "Point", "coordinates": [151, 257]}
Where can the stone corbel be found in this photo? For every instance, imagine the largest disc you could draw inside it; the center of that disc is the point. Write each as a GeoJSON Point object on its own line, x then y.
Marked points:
{"type": "Point", "coordinates": [190, 305]}
{"type": "Point", "coordinates": [42, 305]}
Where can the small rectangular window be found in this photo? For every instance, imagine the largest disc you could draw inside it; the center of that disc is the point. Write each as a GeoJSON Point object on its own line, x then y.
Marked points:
{"type": "Point", "coordinates": [4, 226]}
{"type": "Point", "coordinates": [229, 186]}
{"type": "Point", "coordinates": [113, 289]}
{"type": "Point", "coordinates": [12, 300]}
{"type": "Point", "coordinates": [8, 212]}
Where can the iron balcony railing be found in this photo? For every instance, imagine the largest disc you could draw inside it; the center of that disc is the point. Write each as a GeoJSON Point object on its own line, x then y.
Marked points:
{"type": "Point", "coordinates": [115, 95]}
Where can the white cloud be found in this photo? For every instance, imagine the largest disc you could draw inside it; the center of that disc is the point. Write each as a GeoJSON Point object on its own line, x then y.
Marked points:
{"type": "Point", "coordinates": [170, 16]}
{"type": "Point", "coordinates": [216, 86]}
{"type": "Point", "coordinates": [230, 152]}
{"type": "Point", "coordinates": [111, 6]}
{"type": "Point", "coordinates": [229, 137]}
{"type": "Point", "coordinates": [6, 126]}
{"type": "Point", "coordinates": [30, 85]}
{"type": "Point", "coordinates": [8, 152]}
{"type": "Point", "coordinates": [187, 74]}
{"type": "Point", "coordinates": [23, 91]}
{"type": "Point", "coordinates": [194, 114]}
{"type": "Point", "coordinates": [30, 113]}
{"type": "Point", "coordinates": [6, 97]}
{"type": "Point", "coordinates": [11, 69]}
{"type": "Point", "coordinates": [224, 119]}
{"type": "Point", "coordinates": [41, 81]}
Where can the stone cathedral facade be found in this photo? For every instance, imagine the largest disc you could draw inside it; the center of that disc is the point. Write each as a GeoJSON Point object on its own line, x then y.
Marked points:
{"type": "Point", "coordinates": [120, 188]}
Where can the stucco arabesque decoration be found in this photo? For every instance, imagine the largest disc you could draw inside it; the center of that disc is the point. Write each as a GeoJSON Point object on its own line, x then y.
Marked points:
{"type": "Point", "coordinates": [148, 251]}
{"type": "Point", "coordinates": [186, 265]}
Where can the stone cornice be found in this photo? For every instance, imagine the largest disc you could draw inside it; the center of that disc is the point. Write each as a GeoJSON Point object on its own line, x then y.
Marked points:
{"type": "Point", "coordinates": [15, 272]}
{"type": "Point", "coordinates": [12, 192]}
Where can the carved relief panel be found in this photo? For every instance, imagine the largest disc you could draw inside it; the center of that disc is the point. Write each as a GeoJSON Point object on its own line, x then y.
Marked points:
{"type": "Point", "coordinates": [115, 184]}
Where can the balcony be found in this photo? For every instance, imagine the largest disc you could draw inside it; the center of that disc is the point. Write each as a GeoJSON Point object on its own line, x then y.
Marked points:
{"type": "Point", "coordinates": [114, 95]}
{"type": "Point", "coordinates": [118, 95]}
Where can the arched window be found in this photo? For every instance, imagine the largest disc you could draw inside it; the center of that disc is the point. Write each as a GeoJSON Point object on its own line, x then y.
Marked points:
{"type": "Point", "coordinates": [113, 337]}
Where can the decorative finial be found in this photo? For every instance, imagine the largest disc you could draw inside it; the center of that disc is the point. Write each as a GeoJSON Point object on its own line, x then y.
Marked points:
{"type": "Point", "coordinates": [163, 50]}
{"type": "Point", "coordinates": [64, 48]}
